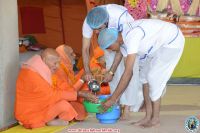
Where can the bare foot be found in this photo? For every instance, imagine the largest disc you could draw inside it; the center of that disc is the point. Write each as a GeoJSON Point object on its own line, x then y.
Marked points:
{"type": "Point", "coordinates": [57, 122]}
{"type": "Point", "coordinates": [141, 122]}
{"type": "Point", "coordinates": [152, 123]}
{"type": "Point", "coordinates": [155, 122]}
{"type": "Point", "coordinates": [125, 115]}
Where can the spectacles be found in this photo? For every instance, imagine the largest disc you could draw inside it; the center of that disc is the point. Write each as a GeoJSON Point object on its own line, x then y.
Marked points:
{"type": "Point", "coordinates": [105, 25]}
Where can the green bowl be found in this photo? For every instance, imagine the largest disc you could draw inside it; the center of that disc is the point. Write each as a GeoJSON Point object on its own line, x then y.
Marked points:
{"type": "Point", "coordinates": [94, 107]}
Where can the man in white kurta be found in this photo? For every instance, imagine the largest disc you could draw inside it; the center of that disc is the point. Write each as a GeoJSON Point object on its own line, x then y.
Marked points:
{"type": "Point", "coordinates": [159, 45]}
{"type": "Point", "coordinates": [113, 16]}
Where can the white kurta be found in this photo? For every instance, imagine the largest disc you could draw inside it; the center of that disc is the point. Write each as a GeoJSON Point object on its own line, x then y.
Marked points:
{"type": "Point", "coordinates": [160, 45]}
{"type": "Point", "coordinates": [118, 15]}
{"type": "Point", "coordinates": [133, 95]}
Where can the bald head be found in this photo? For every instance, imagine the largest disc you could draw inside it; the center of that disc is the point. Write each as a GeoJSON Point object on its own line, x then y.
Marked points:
{"type": "Point", "coordinates": [51, 59]}
{"type": "Point", "coordinates": [49, 52]}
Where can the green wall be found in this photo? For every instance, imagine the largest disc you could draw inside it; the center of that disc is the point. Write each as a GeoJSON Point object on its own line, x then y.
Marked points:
{"type": "Point", "coordinates": [189, 64]}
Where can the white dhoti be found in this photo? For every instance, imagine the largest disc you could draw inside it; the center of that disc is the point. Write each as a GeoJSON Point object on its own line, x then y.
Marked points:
{"type": "Point", "coordinates": [156, 69]}
{"type": "Point", "coordinates": [133, 95]}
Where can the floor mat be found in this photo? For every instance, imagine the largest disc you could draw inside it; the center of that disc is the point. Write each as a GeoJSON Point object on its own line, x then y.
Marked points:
{"type": "Point", "coordinates": [46, 129]}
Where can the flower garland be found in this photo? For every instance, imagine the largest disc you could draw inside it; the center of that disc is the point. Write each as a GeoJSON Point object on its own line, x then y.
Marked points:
{"type": "Point", "coordinates": [54, 81]}
{"type": "Point", "coordinates": [69, 74]}
{"type": "Point", "coordinates": [133, 3]}
{"type": "Point", "coordinates": [194, 8]}
{"type": "Point", "coordinates": [185, 4]}
{"type": "Point", "coordinates": [153, 4]}
{"type": "Point", "coordinates": [171, 5]}
{"type": "Point", "coordinates": [137, 8]}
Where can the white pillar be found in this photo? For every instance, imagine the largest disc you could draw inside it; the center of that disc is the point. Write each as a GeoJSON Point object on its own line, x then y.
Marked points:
{"type": "Point", "coordinates": [9, 60]}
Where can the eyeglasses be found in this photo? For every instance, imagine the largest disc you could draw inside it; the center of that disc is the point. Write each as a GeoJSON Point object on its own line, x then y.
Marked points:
{"type": "Point", "coordinates": [105, 25]}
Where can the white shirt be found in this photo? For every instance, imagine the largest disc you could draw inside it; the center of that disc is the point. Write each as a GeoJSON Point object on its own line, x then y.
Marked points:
{"type": "Point", "coordinates": [118, 15]}
{"type": "Point", "coordinates": [145, 36]}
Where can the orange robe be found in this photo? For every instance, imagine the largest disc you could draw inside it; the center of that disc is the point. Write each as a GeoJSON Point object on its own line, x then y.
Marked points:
{"type": "Point", "coordinates": [67, 67]}
{"type": "Point", "coordinates": [62, 82]}
{"type": "Point", "coordinates": [37, 99]}
{"type": "Point", "coordinates": [65, 77]}
{"type": "Point", "coordinates": [97, 70]}
{"type": "Point", "coordinates": [67, 73]}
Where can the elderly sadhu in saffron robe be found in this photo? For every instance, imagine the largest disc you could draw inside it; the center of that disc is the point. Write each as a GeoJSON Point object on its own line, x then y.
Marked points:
{"type": "Point", "coordinates": [66, 68]}
{"type": "Point", "coordinates": [37, 101]}
{"type": "Point", "coordinates": [41, 98]}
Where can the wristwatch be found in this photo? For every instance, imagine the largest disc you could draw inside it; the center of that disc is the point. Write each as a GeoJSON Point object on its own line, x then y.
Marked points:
{"type": "Point", "coordinates": [111, 73]}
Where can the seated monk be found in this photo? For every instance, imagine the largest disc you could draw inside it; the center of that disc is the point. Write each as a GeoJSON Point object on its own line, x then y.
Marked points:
{"type": "Point", "coordinates": [40, 100]}
{"type": "Point", "coordinates": [97, 62]}
{"type": "Point", "coordinates": [65, 70]}
{"type": "Point", "coordinates": [98, 69]}
{"type": "Point", "coordinates": [67, 58]}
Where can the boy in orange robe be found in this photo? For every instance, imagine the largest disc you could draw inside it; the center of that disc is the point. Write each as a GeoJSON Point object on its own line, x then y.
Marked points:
{"type": "Point", "coordinates": [38, 100]}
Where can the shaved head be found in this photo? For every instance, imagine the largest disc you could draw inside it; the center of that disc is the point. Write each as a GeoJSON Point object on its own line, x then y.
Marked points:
{"type": "Point", "coordinates": [49, 52]}
{"type": "Point", "coordinates": [51, 58]}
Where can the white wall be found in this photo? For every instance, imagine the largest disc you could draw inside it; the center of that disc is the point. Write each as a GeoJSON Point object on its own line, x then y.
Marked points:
{"type": "Point", "coordinates": [9, 60]}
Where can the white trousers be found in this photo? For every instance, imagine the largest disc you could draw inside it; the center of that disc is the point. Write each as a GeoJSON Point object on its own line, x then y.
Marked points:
{"type": "Point", "coordinates": [157, 68]}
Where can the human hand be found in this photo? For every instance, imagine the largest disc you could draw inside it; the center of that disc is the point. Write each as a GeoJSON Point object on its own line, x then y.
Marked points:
{"type": "Point", "coordinates": [106, 104]}
{"type": "Point", "coordinates": [89, 96]}
{"type": "Point", "coordinates": [88, 77]}
{"type": "Point", "coordinates": [83, 77]}
{"type": "Point", "coordinates": [108, 77]}
{"type": "Point", "coordinates": [99, 78]}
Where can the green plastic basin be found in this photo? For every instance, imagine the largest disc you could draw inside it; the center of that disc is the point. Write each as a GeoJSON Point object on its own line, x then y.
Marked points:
{"type": "Point", "coordinates": [94, 107]}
